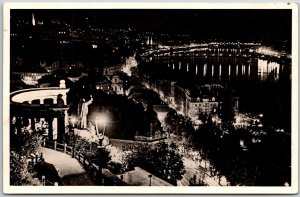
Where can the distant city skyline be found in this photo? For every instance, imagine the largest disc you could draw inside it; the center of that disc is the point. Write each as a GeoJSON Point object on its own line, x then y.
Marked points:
{"type": "Point", "coordinates": [227, 24]}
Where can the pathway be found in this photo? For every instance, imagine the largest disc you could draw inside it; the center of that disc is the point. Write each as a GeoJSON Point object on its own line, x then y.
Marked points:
{"type": "Point", "coordinates": [192, 168]}
{"type": "Point", "coordinates": [140, 177]}
{"type": "Point", "coordinates": [69, 169]}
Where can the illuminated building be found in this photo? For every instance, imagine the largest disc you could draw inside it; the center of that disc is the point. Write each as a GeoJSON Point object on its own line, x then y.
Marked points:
{"type": "Point", "coordinates": [103, 84]}
{"type": "Point", "coordinates": [205, 99]}
{"type": "Point", "coordinates": [117, 84]}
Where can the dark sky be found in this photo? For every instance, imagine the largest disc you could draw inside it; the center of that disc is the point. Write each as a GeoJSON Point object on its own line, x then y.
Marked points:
{"type": "Point", "coordinates": [225, 24]}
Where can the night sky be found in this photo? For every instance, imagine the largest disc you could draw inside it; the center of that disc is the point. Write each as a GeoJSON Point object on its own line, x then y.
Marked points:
{"type": "Point", "coordinates": [219, 24]}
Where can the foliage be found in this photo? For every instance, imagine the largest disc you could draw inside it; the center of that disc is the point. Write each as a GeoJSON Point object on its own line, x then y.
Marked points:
{"type": "Point", "coordinates": [160, 160]}
{"type": "Point", "coordinates": [19, 171]}
{"type": "Point", "coordinates": [101, 157]}
{"type": "Point", "coordinates": [197, 181]}
{"type": "Point", "coordinates": [227, 107]}
{"type": "Point", "coordinates": [115, 167]}
{"type": "Point", "coordinates": [91, 152]}
{"type": "Point", "coordinates": [25, 143]}
{"type": "Point", "coordinates": [178, 124]}
{"type": "Point", "coordinates": [116, 154]}
{"type": "Point", "coordinates": [260, 164]}
{"type": "Point", "coordinates": [49, 171]}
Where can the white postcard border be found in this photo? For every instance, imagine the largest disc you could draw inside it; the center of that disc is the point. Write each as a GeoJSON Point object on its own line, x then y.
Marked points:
{"type": "Point", "coordinates": [147, 190]}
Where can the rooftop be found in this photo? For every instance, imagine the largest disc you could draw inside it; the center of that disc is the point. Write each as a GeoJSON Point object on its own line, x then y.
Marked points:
{"type": "Point", "coordinates": [206, 91]}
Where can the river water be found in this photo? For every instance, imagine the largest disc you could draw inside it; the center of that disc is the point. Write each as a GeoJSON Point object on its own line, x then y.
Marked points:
{"type": "Point", "coordinates": [263, 86]}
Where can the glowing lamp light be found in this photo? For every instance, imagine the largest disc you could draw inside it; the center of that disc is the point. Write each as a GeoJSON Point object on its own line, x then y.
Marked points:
{"type": "Point", "coordinates": [101, 119]}
{"type": "Point", "coordinates": [242, 143]}
{"type": "Point", "coordinates": [73, 120]}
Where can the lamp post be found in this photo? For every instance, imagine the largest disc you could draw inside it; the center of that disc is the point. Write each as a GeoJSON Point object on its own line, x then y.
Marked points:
{"type": "Point", "coordinates": [102, 120]}
{"type": "Point", "coordinates": [150, 176]}
{"type": "Point", "coordinates": [101, 137]}
{"type": "Point", "coordinates": [103, 128]}
{"type": "Point", "coordinates": [73, 121]}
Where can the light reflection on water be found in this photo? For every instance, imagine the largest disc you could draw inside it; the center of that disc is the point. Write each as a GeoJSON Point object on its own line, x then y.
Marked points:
{"type": "Point", "coordinates": [224, 68]}
{"type": "Point", "coordinates": [263, 86]}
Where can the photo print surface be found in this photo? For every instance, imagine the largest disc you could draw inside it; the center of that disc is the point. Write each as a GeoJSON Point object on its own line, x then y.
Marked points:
{"type": "Point", "coordinates": [188, 99]}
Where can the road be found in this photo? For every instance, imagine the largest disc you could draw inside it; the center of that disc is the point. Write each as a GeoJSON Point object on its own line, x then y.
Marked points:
{"type": "Point", "coordinates": [192, 169]}
{"type": "Point", "coordinates": [140, 177]}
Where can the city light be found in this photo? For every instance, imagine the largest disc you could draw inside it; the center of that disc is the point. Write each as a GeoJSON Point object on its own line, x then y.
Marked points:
{"type": "Point", "coordinates": [267, 51]}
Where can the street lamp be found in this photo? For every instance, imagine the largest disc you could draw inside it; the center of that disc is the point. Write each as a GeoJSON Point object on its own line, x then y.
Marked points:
{"type": "Point", "coordinates": [102, 120]}
{"type": "Point", "coordinates": [73, 120]}
{"type": "Point", "coordinates": [150, 176]}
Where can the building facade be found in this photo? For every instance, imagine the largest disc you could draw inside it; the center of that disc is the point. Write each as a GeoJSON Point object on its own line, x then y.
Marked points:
{"type": "Point", "coordinates": [204, 99]}
{"type": "Point", "coordinates": [117, 84]}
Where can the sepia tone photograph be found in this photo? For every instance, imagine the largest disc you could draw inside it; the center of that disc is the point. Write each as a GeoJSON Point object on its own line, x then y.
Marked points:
{"type": "Point", "coordinates": [150, 98]}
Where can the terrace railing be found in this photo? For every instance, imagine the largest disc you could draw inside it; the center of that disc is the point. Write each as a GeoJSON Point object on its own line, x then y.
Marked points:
{"type": "Point", "coordinates": [92, 169]}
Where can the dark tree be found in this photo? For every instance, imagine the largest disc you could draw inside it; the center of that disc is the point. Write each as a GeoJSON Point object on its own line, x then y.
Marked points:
{"type": "Point", "coordinates": [163, 161]}
{"type": "Point", "coordinates": [101, 157]}
{"type": "Point", "coordinates": [28, 143]}
{"type": "Point", "coordinates": [227, 107]}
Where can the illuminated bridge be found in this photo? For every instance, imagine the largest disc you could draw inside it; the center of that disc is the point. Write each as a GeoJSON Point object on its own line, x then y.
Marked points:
{"type": "Point", "coordinates": [217, 50]}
